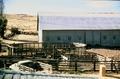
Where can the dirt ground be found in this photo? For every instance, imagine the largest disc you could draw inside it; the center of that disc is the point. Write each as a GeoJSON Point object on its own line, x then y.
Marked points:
{"type": "Point", "coordinates": [106, 52]}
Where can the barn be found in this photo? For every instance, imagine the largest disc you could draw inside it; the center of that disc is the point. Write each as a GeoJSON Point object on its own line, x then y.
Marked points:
{"type": "Point", "coordinates": [90, 28]}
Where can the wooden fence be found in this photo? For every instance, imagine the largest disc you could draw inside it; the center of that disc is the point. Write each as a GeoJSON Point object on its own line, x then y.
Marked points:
{"type": "Point", "coordinates": [69, 65]}
{"type": "Point", "coordinates": [78, 58]}
{"type": "Point", "coordinates": [43, 50]}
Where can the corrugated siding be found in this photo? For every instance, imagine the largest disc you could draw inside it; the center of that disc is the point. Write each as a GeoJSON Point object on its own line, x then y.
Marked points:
{"type": "Point", "coordinates": [79, 23]}
{"type": "Point", "coordinates": [96, 37]}
{"type": "Point", "coordinates": [89, 37]}
{"type": "Point", "coordinates": [104, 38]}
{"type": "Point", "coordinates": [38, 76]}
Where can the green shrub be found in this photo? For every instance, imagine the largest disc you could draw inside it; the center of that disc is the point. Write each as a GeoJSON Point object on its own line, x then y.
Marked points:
{"type": "Point", "coordinates": [3, 24]}
{"type": "Point", "coordinates": [15, 30]}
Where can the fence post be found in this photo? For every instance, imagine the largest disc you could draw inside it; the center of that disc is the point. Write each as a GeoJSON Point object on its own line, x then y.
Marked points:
{"type": "Point", "coordinates": [5, 63]}
{"type": "Point", "coordinates": [22, 49]}
{"type": "Point", "coordinates": [57, 66]}
{"type": "Point", "coordinates": [75, 65]}
{"type": "Point", "coordinates": [54, 52]}
{"type": "Point", "coordinates": [118, 65]}
{"type": "Point", "coordinates": [102, 71]}
{"type": "Point", "coordinates": [111, 65]}
{"type": "Point", "coordinates": [94, 65]}
{"type": "Point", "coordinates": [0, 45]}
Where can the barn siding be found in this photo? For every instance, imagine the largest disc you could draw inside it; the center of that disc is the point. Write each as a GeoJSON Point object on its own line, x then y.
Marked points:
{"type": "Point", "coordinates": [104, 38]}
{"type": "Point", "coordinates": [89, 37]}
{"type": "Point", "coordinates": [115, 38]}
{"type": "Point", "coordinates": [96, 38]}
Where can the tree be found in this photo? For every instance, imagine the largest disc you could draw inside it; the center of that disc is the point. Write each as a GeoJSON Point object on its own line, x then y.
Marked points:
{"type": "Point", "coordinates": [3, 23]}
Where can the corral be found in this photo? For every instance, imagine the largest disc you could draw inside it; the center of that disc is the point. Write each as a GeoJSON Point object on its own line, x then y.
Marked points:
{"type": "Point", "coordinates": [63, 57]}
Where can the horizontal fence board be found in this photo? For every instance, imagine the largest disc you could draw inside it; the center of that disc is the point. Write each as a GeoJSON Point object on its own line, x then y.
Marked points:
{"type": "Point", "coordinates": [78, 58]}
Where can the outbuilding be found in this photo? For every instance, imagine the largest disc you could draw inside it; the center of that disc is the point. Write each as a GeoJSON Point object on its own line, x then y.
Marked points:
{"type": "Point", "coordinates": [89, 28]}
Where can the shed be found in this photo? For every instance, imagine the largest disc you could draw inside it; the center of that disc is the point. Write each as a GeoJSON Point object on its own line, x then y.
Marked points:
{"type": "Point", "coordinates": [89, 28]}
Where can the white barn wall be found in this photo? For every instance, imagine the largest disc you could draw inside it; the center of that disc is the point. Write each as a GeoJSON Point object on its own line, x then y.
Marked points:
{"type": "Point", "coordinates": [40, 31]}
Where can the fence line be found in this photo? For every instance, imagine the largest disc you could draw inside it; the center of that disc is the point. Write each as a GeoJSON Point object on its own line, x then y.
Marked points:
{"type": "Point", "coordinates": [75, 65]}
{"type": "Point", "coordinates": [78, 58]}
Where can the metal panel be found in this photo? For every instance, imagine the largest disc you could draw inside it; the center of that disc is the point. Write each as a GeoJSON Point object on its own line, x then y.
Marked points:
{"type": "Point", "coordinates": [89, 37]}
{"type": "Point", "coordinates": [96, 38]}
{"type": "Point", "coordinates": [105, 38]}
{"type": "Point", "coordinates": [79, 23]}
{"type": "Point", "coordinates": [79, 36]}
{"type": "Point", "coordinates": [115, 38]}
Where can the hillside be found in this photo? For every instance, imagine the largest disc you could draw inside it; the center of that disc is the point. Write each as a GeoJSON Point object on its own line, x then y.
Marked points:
{"type": "Point", "coordinates": [27, 24]}
{"type": "Point", "coordinates": [22, 21]}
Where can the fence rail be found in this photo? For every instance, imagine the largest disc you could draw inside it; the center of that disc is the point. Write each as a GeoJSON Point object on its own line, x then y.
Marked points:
{"type": "Point", "coordinates": [78, 58]}
{"type": "Point", "coordinates": [70, 65]}
{"type": "Point", "coordinates": [44, 49]}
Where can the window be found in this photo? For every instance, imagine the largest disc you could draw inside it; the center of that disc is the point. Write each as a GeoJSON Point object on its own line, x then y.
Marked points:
{"type": "Point", "coordinates": [58, 38]}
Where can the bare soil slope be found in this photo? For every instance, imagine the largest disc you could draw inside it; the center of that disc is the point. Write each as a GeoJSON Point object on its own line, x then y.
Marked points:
{"type": "Point", "coordinates": [22, 21]}
{"type": "Point", "coordinates": [25, 24]}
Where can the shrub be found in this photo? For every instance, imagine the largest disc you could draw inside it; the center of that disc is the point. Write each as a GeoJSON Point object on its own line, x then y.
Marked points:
{"type": "Point", "coordinates": [15, 30]}
{"type": "Point", "coordinates": [3, 23]}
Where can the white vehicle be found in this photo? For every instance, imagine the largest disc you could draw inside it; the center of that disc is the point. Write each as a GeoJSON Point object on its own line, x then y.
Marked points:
{"type": "Point", "coordinates": [30, 66]}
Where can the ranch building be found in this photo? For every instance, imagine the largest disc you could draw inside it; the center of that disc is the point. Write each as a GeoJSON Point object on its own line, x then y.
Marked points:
{"type": "Point", "coordinates": [90, 28]}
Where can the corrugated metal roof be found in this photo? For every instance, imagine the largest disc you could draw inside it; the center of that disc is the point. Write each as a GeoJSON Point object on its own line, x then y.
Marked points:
{"type": "Point", "coordinates": [6, 75]}
{"type": "Point", "coordinates": [79, 23]}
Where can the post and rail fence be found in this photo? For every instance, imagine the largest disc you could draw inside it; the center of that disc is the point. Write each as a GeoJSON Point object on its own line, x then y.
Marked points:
{"type": "Point", "coordinates": [77, 57]}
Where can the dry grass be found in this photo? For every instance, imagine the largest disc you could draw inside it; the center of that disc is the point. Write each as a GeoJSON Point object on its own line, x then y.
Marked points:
{"type": "Point", "coordinates": [106, 52]}
{"type": "Point", "coordinates": [25, 23]}
{"type": "Point", "coordinates": [22, 21]}
{"type": "Point", "coordinates": [26, 37]}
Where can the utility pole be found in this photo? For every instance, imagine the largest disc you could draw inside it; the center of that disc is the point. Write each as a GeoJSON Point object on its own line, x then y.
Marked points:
{"type": "Point", "coordinates": [37, 21]}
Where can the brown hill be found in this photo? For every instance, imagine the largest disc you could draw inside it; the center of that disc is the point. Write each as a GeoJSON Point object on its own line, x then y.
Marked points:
{"type": "Point", "coordinates": [26, 24]}
{"type": "Point", "coordinates": [22, 21]}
